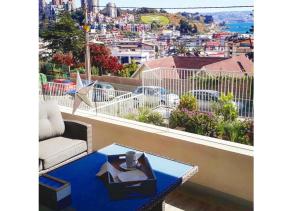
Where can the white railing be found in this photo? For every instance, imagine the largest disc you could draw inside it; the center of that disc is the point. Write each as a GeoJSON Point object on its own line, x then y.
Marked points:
{"type": "Point", "coordinates": [99, 97]}
{"type": "Point", "coordinates": [122, 107]}
{"type": "Point", "coordinates": [205, 86]}
{"type": "Point", "coordinates": [105, 95]}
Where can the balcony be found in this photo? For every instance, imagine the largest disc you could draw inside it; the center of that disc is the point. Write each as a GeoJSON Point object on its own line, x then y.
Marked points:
{"type": "Point", "coordinates": [225, 177]}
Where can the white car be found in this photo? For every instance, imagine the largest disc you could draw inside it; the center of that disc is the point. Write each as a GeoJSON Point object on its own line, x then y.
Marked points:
{"type": "Point", "coordinates": [156, 95]}
{"type": "Point", "coordinates": [206, 98]}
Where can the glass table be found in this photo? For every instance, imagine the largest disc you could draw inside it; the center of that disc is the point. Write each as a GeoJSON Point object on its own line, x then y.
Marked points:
{"type": "Point", "coordinates": [89, 193]}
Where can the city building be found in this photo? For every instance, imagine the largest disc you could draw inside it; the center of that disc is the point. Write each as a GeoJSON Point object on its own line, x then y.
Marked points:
{"type": "Point", "coordinates": [127, 50]}
{"type": "Point", "coordinates": [52, 9]}
{"type": "Point", "coordinates": [238, 47]}
{"type": "Point", "coordinates": [110, 10]}
{"type": "Point", "coordinates": [92, 5]}
{"type": "Point", "coordinates": [131, 27]}
{"type": "Point", "coordinates": [42, 6]}
{"type": "Point", "coordinates": [125, 56]}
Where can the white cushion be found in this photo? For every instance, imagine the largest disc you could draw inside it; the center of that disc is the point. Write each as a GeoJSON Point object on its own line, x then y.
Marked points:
{"type": "Point", "coordinates": [56, 150]}
{"type": "Point", "coordinates": [50, 120]}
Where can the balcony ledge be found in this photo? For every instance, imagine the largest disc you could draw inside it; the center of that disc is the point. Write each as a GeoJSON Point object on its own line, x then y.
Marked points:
{"type": "Point", "coordinates": [172, 133]}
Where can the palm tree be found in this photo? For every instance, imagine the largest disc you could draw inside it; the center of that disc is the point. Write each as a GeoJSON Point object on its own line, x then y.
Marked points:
{"type": "Point", "coordinates": [198, 50]}
{"type": "Point", "coordinates": [181, 50]}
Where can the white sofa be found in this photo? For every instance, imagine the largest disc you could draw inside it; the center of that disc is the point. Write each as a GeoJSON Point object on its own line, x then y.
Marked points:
{"type": "Point", "coordinates": [60, 141]}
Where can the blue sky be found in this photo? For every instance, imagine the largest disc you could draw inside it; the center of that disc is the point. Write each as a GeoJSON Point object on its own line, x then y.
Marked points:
{"type": "Point", "coordinates": [178, 3]}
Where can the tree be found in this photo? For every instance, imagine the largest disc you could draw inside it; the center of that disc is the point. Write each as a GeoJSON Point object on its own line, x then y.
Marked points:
{"type": "Point", "coordinates": [181, 49]}
{"type": "Point", "coordinates": [163, 11]}
{"type": "Point", "coordinates": [155, 25]}
{"type": "Point", "coordinates": [63, 59]}
{"type": "Point", "coordinates": [78, 16]}
{"type": "Point", "coordinates": [128, 69]}
{"type": "Point", "coordinates": [186, 28]}
{"type": "Point", "coordinates": [102, 59]}
{"type": "Point", "coordinates": [145, 10]}
{"type": "Point", "coordinates": [65, 36]}
{"type": "Point", "coordinates": [198, 50]}
{"type": "Point", "coordinates": [195, 29]}
{"type": "Point", "coordinates": [251, 30]}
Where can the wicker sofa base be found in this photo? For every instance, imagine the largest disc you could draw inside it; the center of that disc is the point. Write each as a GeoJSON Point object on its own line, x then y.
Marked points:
{"type": "Point", "coordinates": [63, 163]}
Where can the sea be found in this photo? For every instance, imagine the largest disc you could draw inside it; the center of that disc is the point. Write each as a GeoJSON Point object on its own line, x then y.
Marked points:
{"type": "Point", "coordinates": [241, 27]}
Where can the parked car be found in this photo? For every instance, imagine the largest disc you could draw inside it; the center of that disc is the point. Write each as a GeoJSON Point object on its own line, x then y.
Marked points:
{"type": "Point", "coordinates": [103, 92]}
{"type": "Point", "coordinates": [156, 95]}
{"type": "Point", "coordinates": [206, 98]}
{"type": "Point", "coordinates": [58, 87]}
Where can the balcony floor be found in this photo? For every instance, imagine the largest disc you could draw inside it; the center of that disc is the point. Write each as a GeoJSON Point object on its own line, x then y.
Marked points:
{"type": "Point", "coordinates": [180, 200]}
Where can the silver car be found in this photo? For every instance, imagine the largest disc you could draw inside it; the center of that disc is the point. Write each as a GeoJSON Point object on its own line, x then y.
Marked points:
{"type": "Point", "coordinates": [156, 95]}
{"type": "Point", "coordinates": [206, 98]}
{"type": "Point", "coordinates": [103, 92]}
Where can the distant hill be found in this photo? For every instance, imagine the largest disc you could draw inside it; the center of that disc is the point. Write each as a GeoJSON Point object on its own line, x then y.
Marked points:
{"type": "Point", "coordinates": [174, 18]}
{"type": "Point", "coordinates": [169, 18]}
{"type": "Point", "coordinates": [161, 19]}
{"type": "Point", "coordinates": [231, 16]}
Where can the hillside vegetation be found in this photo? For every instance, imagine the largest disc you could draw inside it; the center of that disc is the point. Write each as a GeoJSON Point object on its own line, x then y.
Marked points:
{"type": "Point", "coordinates": [161, 19]}
{"type": "Point", "coordinates": [172, 19]}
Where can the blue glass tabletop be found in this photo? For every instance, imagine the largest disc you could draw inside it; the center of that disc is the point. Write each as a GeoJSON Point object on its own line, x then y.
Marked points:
{"type": "Point", "coordinates": [90, 194]}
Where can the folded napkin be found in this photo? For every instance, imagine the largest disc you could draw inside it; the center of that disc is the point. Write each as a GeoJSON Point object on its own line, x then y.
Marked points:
{"type": "Point", "coordinates": [130, 176]}
{"type": "Point", "coordinates": [107, 167]}
{"type": "Point", "coordinates": [118, 175]}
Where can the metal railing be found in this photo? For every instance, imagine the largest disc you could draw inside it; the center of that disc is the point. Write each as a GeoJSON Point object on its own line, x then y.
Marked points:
{"type": "Point", "coordinates": [122, 107]}
{"type": "Point", "coordinates": [205, 86]}
{"type": "Point", "coordinates": [162, 87]}
{"type": "Point", "coordinates": [99, 97]}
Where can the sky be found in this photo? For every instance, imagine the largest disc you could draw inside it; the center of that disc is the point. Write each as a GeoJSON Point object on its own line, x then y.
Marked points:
{"type": "Point", "coordinates": [179, 3]}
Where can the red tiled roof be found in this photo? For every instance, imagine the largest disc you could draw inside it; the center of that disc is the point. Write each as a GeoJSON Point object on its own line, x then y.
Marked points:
{"type": "Point", "coordinates": [187, 62]}
{"type": "Point", "coordinates": [237, 64]}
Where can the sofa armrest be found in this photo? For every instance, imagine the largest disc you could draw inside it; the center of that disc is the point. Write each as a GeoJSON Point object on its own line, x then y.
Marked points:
{"type": "Point", "coordinates": [79, 130]}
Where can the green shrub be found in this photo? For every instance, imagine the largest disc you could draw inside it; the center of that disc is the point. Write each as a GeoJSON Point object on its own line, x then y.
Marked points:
{"type": "Point", "coordinates": [95, 70]}
{"type": "Point", "coordinates": [202, 124]}
{"type": "Point", "coordinates": [236, 131]}
{"type": "Point", "coordinates": [155, 118]}
{"type": "Point", "coordinates": [49, 67]}
{"type": "Point", "coordinates": [178, 118]}
{"type": "Point", "coordinates": [65, 68]}
{"type": "Point", "coordinates": [131, 116]}
{"type": "Point", "coordinates": [147, 116]}
{"type": "Point", "coordinates": [128, 69]}
{"type": "Point", "coordinates": [188, 102]}
{"type": "Point", "coordinates": [81, 70]}
{"type": "Point", "coordinates": [226, 108]}
{"type": "Point", "coordinates": [124, 73]}
{"type": "Point", "coordinates": [42, 68]}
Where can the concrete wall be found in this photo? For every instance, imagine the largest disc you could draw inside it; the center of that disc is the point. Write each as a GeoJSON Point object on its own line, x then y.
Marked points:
{"type": "Point", "coordinates": [119, 83]}
{"type": "Point", "coordinates": [224, 166]}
